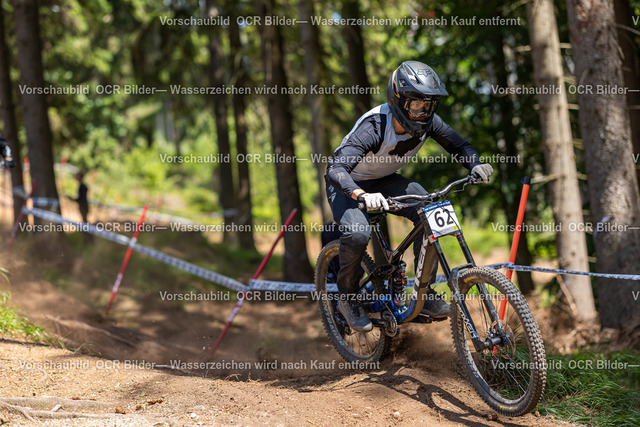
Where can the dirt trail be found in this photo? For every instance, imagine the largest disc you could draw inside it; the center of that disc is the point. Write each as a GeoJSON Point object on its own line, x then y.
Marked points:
{"type": "Point", "coordinates": [119, 362]}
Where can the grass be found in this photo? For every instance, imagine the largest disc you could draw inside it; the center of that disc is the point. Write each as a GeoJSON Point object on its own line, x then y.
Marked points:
{"type": "Point", "coordinates": [594, 388]}
{"type": "Point", "coordinates": [12, 324]}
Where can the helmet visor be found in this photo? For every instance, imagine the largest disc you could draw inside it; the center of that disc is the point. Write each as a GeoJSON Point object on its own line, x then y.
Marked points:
{"type": "Point", "coordinates": [421, 109]}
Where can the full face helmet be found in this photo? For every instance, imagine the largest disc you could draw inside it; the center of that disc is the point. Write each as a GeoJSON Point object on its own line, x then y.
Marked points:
{"type": "Point", "coordinates": [413, 95]}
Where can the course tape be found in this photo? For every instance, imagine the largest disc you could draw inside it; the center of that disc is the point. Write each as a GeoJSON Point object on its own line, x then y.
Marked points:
{"type": "Point", "coordinates": [151, 215]}
{"type": "Point", "coordinates": [46, 202]}
{"type": "Point", "coordinates": [37, 201]}
{"type": "Point", "coordinates": [203, 273]}
{"type": "Point", "coordinates": [269, 285]}
{"type": "Point", "coordinates": [516, 267]}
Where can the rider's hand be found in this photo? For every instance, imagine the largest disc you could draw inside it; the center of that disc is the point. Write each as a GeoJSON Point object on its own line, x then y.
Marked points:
{"type": "Point", "coordinates": [484, 171]}
{"type": "Point", "coordinates": [9, 162]}
{"type": "Point", "coordinates": [373, 201]}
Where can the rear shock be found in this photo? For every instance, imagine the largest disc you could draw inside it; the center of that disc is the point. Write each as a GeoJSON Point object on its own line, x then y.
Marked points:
{"type": "Point", "coordinates": [399, 283]}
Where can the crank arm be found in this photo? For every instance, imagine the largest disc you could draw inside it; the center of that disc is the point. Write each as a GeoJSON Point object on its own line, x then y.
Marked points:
{"type": "Point", "coordinates": [380, 323]}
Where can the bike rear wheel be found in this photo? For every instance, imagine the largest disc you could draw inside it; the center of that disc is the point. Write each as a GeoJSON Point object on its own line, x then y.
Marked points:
{"type": "Point", "coordinates": [511, 377]}
{"type": "Point", "coordinates": [355, 347]}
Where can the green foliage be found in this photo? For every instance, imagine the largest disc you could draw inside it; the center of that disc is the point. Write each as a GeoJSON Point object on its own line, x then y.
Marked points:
{"type": "Point", "coordinates": [481, 240]}
{"type": "Point", "coordinates": [122, 135]}
{"type": "Point", "coordinates": [594, 388]}
{"type": "Point", "coordinates": [12, 324]}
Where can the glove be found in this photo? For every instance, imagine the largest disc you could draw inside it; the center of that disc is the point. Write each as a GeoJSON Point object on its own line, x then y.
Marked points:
{"type": "Point", "coordinates": [484, 171]}
{"type": "Point", "coordinates": [373, 201]}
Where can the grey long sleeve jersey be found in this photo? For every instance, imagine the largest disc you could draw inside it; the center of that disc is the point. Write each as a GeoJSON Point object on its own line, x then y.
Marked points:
{"type": "Point", "coordinates": [373, 149]}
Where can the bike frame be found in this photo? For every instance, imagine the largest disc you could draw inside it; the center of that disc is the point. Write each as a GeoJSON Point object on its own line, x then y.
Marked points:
{"type": "Point", "coordinates": [430, 251]}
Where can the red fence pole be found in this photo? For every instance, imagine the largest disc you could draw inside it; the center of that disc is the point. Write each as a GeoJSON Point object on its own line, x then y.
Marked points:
{"type": "Point", "coordinates": [526, 181]}
{"type": "Point", "coordinates": [132, 243]}
{"type": "Point", "coordinates": [263, 264]}
{"type": "Point", "coordinates": [20, 215]}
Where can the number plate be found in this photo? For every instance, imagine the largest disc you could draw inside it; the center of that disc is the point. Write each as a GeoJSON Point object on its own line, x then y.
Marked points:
{"type": "Point", "coordinates": [442, 219]}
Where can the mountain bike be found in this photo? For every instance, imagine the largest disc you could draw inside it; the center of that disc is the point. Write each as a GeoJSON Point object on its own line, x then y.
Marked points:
{"type": "Point", "coordinates": [494, 332]}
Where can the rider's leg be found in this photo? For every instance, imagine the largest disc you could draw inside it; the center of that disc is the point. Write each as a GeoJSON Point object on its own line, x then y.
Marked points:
{"type": "Point", "coordinates": [355, 229]}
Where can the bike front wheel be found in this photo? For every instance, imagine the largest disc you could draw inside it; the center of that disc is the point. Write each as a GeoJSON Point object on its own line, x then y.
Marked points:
{"type": "Point", "coordinates": [510, 377]}
{"type": "Point", "coordinates": [355, 347]}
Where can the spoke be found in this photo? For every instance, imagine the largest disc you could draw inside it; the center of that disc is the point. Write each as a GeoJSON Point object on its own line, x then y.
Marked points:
{"type": "Point", "coordinates": [362, 342]}
{"type": "Point", "coordinates": [504, 373]}
{"type": "Point", "coordinates": [475, 309]}
{"type": "Point", "coordinates": [508, 372]}
{"type": "Point", "coordinates": [523, 374]}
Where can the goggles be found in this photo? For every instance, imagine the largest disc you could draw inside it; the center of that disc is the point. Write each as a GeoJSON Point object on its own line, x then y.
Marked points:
{"type": "Point", "coordinates": [421, 109]}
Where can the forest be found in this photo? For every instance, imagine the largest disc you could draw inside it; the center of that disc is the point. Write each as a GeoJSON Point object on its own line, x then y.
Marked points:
{"type": "Point", "coordinates": [223, 114]}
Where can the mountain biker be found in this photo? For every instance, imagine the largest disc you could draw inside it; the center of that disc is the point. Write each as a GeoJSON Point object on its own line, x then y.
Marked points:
{"type": "Point", "coordinates": [82, 200]}
{"type": "Point", "coordinates": [5, 153]}
{"type": "Point", "coordinates": [363, 169]}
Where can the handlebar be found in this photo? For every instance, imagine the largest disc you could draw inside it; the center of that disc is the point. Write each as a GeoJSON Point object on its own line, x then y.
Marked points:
{"type": "Point", "coordinates": [395, 203]}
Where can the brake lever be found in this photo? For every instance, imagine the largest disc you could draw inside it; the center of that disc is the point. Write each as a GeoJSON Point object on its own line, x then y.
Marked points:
{"type": "Point", "coordinates": [474, 180]}
{"type": "Point", "coordinates": [395, 205]}
{"type": "Point", "coordinates": [362, 206]}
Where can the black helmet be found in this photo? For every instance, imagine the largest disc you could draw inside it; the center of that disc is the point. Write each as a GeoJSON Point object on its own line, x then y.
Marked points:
{"type": "Point", "coordinates": [414, 81]}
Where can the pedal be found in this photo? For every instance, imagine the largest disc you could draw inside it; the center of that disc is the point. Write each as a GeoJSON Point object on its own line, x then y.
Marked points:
{"type": "Point", "coordinates": [423, 318]}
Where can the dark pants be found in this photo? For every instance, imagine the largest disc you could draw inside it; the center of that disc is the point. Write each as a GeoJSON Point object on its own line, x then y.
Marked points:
{"type": "Point", "coordinates": [355, 228]}
{"type": "Point", "coordinates": [83, 207]}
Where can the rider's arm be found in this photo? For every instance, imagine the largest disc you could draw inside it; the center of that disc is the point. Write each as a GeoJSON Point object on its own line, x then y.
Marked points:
{"type": "Point", "coordinates": [365, 138]}
{"type": "Point", "coordinates": [451, 141]}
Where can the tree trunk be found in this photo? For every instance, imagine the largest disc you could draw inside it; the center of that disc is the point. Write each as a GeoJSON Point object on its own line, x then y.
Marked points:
{"type": "Point", "coordinates": [36, 119]}
{"type": "Point", "coordinates": [296, 260]}
{"type": "Point", "coordinates": [513, 173]}
{"type": "Point", "coordinates": [357, 67]}
{"type": "Point", "coordinates": [226, 188]}
{"type": "Point", "coordinates": [358, 78]}
{"type": "Point", "coordinates": [173, 134]}
{"type": "Point", "coordinates": [557, 142]}
{"type": "Point", "coordinates": [245, 216]}
{"type": "Point", "coordinates": [318, 133]}
{"type": "Point", "coordinates": [7, 111]}
{"type": "Point", "coordinates": [631, 72]}
{"type": "Point", "coordinates": [606, 135]}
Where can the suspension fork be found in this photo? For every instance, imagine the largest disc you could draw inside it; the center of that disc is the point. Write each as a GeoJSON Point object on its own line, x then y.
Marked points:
{"type": "Point", "coordinates": [452, 279]}
{"type": "Point", "coordinates": [452, 276]}
{"type": "Point", "coordinates": [488, 302]}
